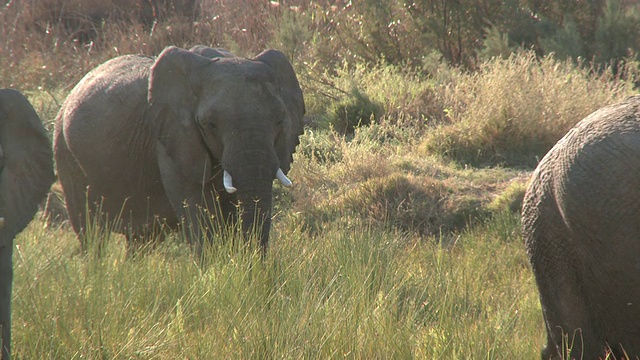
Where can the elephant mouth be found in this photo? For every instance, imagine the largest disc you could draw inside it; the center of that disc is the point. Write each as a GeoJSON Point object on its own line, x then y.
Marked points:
{"type": "Point", "coordinates": [227, 180]}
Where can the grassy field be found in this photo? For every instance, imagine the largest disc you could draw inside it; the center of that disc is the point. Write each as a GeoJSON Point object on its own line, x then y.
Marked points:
{"type": "Point", "coordinates": [350, 291]}
{"type": "Point", "coordinates": [400, 238]}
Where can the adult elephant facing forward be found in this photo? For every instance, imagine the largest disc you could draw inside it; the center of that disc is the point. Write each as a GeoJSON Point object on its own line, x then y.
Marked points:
{"type": "Point", "coordinates": [581, 222]}
{"type": "Point", "coordinates": [154, 140]}
{"type": "Point", "coordinates": [26, 173]}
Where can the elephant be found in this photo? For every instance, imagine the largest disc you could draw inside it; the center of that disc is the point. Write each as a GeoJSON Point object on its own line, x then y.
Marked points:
{"type": "Point", "coordinates": [581, 229]}
{"type": "Point", "coordinates": [154, 141]}
{"type": "Point", "coordinates": [26, 173]}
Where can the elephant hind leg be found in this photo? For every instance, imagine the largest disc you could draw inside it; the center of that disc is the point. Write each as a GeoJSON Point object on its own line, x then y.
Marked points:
{"type": "Point", "coordinates": [559, 276]}
{"type": "Point", "coordinates": [74, 187]}
{"type": "Point", "coordinates": [569, 322]}
{"type": "Point", "coordinates": [567, 313]}
{"type": "Point", "coordinates": [6, 280]}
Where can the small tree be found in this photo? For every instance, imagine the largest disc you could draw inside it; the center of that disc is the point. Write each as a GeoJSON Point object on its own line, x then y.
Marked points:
{"type": "Point", "coordinates": [617, 32]}
{"type": "Point", "coordinates": [566, 43]}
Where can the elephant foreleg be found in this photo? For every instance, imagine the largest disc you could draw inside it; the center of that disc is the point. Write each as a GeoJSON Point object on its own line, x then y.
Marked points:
{"type": "Point", "coordinates": [185, 199]}
{"type": "Point", "coordinates": [6, 280]}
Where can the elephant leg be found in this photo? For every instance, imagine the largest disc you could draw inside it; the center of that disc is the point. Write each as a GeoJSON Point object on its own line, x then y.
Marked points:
{"type": "Point", "coordinates": [569, 330]}
{"type": "Point", "coordinates": [75, 191]}
{"type": "Point", "coordinates": [185, 201]}
{"type": "Point", "coordinates": [6, 280]}
{"type": "Point", "coordinates": [566, 310]}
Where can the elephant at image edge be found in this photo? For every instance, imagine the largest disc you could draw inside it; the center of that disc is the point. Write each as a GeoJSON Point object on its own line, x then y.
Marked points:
{"type": "Point", "coordinates": [581, 223]}
{"type": "Point", "coordinates": [26, 173]}
{"type": "Point", "coordinates": [154, 140]}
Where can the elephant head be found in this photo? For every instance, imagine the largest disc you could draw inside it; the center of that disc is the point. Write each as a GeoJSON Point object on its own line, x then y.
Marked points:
{"type": "Point", "coordinates": [228, 122]}
{"type": "Point", "coordinates": [26, 173]}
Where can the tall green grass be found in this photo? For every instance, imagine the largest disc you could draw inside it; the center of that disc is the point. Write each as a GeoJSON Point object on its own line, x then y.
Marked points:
{"type": "Point", "coordinates": [351, 291]}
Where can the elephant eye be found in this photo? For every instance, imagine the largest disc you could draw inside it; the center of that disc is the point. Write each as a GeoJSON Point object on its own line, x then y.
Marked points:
{"type": "Point", "coordinates": [209, 125]}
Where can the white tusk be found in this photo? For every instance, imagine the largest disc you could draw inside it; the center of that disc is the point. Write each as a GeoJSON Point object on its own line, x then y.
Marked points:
{"type": "Point", "coordinates": [284, 180]}
{"type": "Point", "coordinates": [227, 180]}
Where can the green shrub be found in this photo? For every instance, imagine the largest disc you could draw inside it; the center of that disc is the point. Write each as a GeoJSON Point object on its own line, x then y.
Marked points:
{"type": "Point", "coordinates": [349, 95]}
{"type": "Point", "coordinates": [565, 43]}
{"type": "Point", "coordinates": [617, 32]}
{"type": "Point", "coordinates": [291, 33]}
{"type": "Point", "coordinates": [353, 111]}
{"type": "Point", "coordinates": [495, 44]}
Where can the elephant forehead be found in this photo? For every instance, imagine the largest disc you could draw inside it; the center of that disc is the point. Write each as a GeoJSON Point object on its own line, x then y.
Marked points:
{"type": "Point", "coordinates": [240, 97]}
{"type": "Point", "coordinates": [239, 71]}
{"type": "Point", "coordinates": [227, 111]}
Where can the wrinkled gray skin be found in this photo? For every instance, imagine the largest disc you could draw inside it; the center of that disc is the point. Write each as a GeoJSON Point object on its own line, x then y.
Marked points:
{"type": "Point", "coordinates": [149, 138]}
{"type": "Point", "coordinates": [581, 222]}
{"type": "Point", "coordinates": [26, 173]}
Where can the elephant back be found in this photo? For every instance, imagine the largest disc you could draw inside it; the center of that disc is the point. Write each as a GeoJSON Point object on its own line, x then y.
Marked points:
{"type": "Point", "coordinates": [96, 107]}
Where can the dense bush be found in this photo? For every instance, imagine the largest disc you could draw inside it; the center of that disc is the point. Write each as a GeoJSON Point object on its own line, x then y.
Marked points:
{"type": "Point", "coordinates": [352, 111]}
{"type": "Point", "coordinates": [513, 110]}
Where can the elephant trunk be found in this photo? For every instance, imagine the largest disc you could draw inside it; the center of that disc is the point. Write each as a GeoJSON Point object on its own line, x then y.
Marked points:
{"type": "Point", "coordinates": [250, 176]}
{"type": "Point", "coordinates": [255, 216]}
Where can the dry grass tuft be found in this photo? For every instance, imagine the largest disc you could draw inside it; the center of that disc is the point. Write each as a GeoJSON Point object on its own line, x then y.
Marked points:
{"type": "Point", "coordinates": [405, 202]}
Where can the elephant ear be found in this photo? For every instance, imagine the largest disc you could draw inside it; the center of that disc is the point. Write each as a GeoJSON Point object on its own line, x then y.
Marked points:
{"type": "Point", "coordinates": [173, 93]}
{"type": "Point", "coordinates": [291, 95]}
{"type": "Point", "coordinates": [26, 163]}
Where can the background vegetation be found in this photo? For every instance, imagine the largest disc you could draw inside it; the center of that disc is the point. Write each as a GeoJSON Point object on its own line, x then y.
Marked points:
{"type": "Point", "coordinates": [401, 236]}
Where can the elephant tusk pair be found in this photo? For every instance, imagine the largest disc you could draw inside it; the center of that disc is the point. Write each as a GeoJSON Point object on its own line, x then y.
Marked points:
{"type": "Point", "coordinates": [227, 181]}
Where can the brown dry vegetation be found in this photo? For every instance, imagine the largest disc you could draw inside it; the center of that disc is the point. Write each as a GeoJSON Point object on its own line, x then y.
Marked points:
{"type": "Point", "coordinates": [508, 111]}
